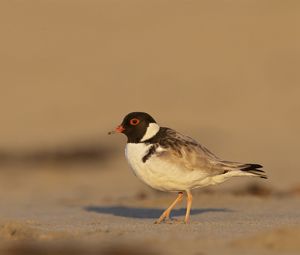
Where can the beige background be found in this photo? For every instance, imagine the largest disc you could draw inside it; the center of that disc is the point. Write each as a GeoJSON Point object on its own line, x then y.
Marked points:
{"type": "Point", "coordinates": [224, 72]}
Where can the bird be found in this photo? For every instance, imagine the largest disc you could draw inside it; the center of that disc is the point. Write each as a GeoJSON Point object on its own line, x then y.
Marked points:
{"type": "Point", "coordinates": [169, 161]}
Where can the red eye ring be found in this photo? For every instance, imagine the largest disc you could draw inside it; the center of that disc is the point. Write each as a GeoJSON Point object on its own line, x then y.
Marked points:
{"type": "Point", "coordinates": [134, 121]}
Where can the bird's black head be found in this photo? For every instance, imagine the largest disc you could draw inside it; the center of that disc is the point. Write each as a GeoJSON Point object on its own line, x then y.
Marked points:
{"type": "Point", "coordinates": [138, 127]}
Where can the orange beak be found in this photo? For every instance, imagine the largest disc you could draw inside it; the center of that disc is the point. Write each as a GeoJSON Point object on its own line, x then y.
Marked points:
{"type": "Point", "coordinates": [119, 129]}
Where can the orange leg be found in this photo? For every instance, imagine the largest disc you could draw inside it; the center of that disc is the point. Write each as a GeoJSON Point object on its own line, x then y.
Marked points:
{"type": "Point", "coordinates": [166, 213]}
{"type": "Point", "coordinates": [188, 207]}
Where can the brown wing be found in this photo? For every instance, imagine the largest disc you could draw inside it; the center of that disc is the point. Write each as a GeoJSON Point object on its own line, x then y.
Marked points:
{"type": "Point", "coordinates": [190, 154]}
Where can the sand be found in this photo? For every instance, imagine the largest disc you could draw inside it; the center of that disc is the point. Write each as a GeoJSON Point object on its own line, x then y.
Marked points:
{"type": "Point", "coordinates": [223, 72]}
{"type": "Point", "coordinates": [99, 211]}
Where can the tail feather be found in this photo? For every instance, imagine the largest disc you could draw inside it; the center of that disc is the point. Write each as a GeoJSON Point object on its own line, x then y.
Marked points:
{"type": "Point", "coordinates": [254, 169]}
{"type": "Point", "coordinates": [248, 168]}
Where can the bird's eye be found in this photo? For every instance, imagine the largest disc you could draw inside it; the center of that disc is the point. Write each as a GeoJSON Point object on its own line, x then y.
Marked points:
{"type": "Point", "coordinates": [134, 121]}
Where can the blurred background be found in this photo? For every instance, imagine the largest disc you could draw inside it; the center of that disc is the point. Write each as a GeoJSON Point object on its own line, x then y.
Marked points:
{"type": "Point", "coordinates": [224, 72]}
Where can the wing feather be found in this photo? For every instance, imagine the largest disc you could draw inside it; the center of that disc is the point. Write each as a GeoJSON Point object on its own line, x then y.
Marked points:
{"type": "Point", "coordinates": [183, 150]}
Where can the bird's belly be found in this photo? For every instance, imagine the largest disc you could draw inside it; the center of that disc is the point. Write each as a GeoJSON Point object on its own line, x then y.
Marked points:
{"type": "Point", "coordinates": [161, 174]}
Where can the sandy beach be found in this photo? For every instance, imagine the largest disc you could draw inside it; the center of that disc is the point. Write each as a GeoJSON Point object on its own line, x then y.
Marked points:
{"type": "Point", "coordinates": [110, 212]}
{"type": "Point", "coordinates": [223, 72]}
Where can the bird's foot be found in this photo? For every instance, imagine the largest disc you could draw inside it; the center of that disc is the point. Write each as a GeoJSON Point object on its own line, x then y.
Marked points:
{"type": "Point", "coordinates": [168, 220]}
{"type": "Point", "coordinates": [159, 221]}
{"type": "Point", "coordinates": [187, 220]}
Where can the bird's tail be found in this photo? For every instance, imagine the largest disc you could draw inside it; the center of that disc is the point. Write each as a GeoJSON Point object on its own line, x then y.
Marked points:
{"type": "Point", "coordinates": [245, 169]}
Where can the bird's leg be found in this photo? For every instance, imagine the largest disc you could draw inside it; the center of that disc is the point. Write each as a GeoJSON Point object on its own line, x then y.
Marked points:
{"type": "Point", "coordinates": [166, 213]}
{"type": "Point", "coordinates": [188, 207]}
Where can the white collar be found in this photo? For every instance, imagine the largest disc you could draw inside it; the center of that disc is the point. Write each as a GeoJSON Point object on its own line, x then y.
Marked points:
{"type": "Point", "coordinates": [151, 131]}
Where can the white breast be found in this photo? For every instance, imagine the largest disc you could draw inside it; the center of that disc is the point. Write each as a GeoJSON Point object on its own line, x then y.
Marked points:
{"type": "Point", "coordinates": [134, 153]}
{"type": "Point", "coordinates": [161, 174]}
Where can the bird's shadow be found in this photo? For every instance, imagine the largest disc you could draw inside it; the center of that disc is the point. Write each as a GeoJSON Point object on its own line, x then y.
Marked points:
{"type": "Point", "coordinates": [146, 213]}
